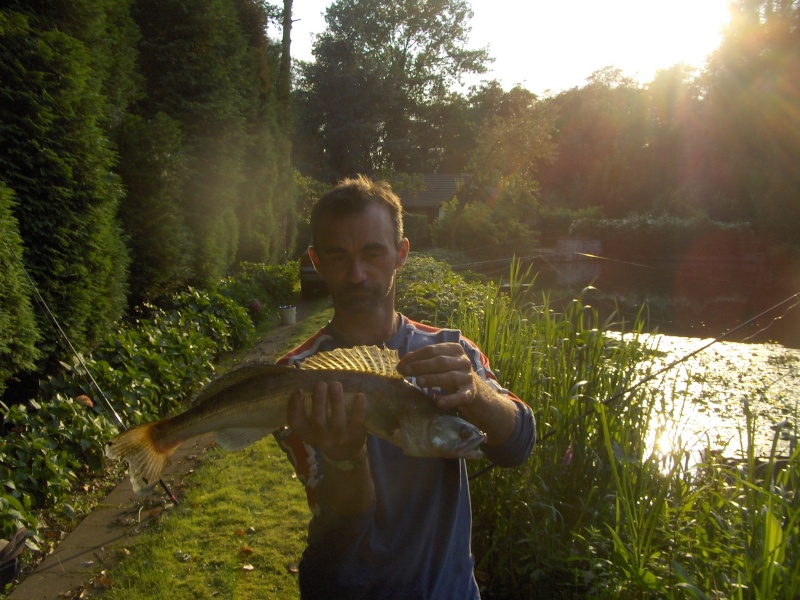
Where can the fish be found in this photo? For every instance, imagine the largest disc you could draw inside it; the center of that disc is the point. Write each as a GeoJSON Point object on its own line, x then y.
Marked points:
{"type": "Point", "coordinates": [251, 401]}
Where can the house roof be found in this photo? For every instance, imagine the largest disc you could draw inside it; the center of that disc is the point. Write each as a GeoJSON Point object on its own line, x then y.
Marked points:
{"type": "Point", "coordinates": [437, 188]}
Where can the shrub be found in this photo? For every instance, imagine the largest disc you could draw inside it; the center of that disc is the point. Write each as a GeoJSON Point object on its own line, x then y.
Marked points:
{"type": "Point", "coordinates": [269, 284]}
{"type": "Point", "coordinates": [18, 331]}
{"type": "Point", "coordinates": [146, 370]}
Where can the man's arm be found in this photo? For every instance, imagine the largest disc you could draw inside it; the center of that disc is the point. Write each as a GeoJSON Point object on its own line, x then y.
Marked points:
{"type": "Point", "coordinates": [347, 487]}
{"type": "Point", "coordinates": [447, 366]}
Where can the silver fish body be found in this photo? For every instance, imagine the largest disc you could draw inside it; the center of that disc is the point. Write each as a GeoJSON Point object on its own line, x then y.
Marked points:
{"type": "Point", "coordinates": [251, 401]}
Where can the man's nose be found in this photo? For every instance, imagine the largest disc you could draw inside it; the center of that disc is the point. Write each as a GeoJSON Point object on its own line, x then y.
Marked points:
{"type": "Point", "coordinates": [357, 272]}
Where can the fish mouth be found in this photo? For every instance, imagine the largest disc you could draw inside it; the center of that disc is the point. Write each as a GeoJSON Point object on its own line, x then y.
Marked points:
{"type": "Point", "coordinates": [454, 437]}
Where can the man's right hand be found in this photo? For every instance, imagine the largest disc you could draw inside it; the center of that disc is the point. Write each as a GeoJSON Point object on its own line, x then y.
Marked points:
{"type": "Point", "coordinates": [327, 426]}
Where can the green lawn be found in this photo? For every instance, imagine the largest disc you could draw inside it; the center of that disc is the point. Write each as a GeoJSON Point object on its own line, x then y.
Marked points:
{"type": "Point", "coordinates": [238, 532]}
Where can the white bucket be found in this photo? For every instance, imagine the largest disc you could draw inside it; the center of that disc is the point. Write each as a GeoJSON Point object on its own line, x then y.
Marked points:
{"type": "Point", "coordinates": [287, 314]}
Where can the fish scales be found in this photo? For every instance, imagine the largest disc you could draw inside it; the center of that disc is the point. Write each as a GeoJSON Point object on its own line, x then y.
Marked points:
{"type": "Point", "coordinates": [251, 401]}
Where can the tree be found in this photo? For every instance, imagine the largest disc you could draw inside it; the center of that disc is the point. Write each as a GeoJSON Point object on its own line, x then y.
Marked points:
{"type": "Point", "coordinates": [603, 130]}
{"type": "Point", "coordinates": [751, 95]}
{"type": "Point", "coordinates": [153, 168]}
{"type": "Point", "coordinates": [496, 211]}
{"type": "Point", "coordinates": [211, 69]}
{"type": "Point", "coordinates": [380, 69]}
{"type": "Point", "coordinates": [58, 162]}
{"type": "Point", "coordinates": [18, 331]}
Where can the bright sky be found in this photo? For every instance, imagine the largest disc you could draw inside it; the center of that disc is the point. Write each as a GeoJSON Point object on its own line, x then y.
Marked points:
{"type": "Point", "coordinates": [556, 44]}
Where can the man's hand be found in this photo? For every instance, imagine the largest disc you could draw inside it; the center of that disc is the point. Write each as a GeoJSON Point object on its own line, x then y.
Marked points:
{"type": "Point", "coordinates": [445, 366]}
{"type": "Point", "coordinates": [448, 367]}
{"type": "Point", "coordinates": [327, 426]}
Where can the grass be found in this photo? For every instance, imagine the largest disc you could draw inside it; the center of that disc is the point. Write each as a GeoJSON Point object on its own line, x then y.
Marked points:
{"type": "Point", "coordinates": [238, 532]}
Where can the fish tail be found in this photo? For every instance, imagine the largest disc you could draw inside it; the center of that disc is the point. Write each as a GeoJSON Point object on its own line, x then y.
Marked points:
{"type": "Point", "coordinates": [145, 457]}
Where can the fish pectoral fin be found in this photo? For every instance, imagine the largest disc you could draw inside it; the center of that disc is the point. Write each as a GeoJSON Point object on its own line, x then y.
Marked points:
{"type": "Point", "coordinates": [240, 437]}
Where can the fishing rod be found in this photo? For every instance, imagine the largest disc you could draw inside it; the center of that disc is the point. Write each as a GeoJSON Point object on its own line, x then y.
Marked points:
{"type": "Point", "coordinates": [46, 308]}
{"type": "Point", "coordinates": [627, 391]}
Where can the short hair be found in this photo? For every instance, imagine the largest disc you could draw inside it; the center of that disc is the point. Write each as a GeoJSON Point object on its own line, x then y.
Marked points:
{"type": "Point", "coordinates": [352, 196]}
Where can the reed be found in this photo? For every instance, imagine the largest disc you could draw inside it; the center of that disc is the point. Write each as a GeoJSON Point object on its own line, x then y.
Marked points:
{"type": "Point", "coordinates": [600, 509]}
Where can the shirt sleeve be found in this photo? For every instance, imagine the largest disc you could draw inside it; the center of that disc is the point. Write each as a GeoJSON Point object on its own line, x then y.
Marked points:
{"type": "Point", "coordinates": [518, 447]}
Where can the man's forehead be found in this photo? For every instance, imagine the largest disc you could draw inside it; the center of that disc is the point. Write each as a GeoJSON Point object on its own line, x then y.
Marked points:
{"type": "Point", "coordinates": [372, 226]}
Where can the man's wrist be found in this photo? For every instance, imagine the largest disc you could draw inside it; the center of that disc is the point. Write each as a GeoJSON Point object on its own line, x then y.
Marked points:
{"type": "Point", "coordinates": [348, 464]}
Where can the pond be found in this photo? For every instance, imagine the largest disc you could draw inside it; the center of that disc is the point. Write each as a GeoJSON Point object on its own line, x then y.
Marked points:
{"type": "Point", "coordinates": [687, 303]}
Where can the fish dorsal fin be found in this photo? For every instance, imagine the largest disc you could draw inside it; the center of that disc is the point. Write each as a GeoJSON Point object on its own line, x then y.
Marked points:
{"type": "Point", "coordinates": [362, 359]}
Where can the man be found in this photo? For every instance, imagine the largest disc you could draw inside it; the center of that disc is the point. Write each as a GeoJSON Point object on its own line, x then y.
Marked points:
{"type": "Point", "coordinates": [386, 525]}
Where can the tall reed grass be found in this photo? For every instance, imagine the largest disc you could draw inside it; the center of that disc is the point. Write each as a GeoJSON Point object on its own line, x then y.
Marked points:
{"type": "Point", "coordinates": [599, 510]}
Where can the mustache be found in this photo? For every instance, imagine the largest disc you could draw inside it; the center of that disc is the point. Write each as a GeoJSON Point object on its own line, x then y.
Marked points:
{"type": "Point", "coordinates": [357, 288]}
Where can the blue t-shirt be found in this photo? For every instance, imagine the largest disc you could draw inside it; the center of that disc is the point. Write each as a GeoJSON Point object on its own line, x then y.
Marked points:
{"type": "Point", "coordinates": [415, 541]}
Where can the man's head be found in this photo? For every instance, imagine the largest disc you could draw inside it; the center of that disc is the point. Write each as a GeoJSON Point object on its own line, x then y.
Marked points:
{"type": "Point", "coordinates": [352, 196]}
{"type": "Point", "coordinates": [358, 245]}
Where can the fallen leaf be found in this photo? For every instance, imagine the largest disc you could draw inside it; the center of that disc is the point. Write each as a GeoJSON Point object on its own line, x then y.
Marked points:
{"type": "Point", "coordinates": [246, 550]}
{"type": "Point", "coordinates": [239, 532]}
{"type": "Point", "coordinates": [103, 583]}
{"type": "Point", "coordinates": [84, 400]}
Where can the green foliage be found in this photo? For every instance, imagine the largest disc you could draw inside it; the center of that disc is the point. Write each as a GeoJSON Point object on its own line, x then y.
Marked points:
{"type": "Point", "coordinates": [210, 71]}
{"type": "Point", "coordinates": [496, 228]}
{"type": "Point", "coordinates": [309, 190]}
{"type": "Point", "coordinates": [146, 370]}
{"type": "Point", "coordinates": [153, 170]}
{"type": "Point", "coordinates": [55, 155]}
{"type": "Point", "coordinates": [417, 230]}
{"type": "Point", "coordinates": [381, 74]}
{"type": "Point", "coordinates": [430, 292]}
{"type": "Point", "coordinates": [272, 285]}
{"type": "Point", "coordinates": [660, 237]}
{"type": "Point", "coordinates": [18, 331]}
{"type": "Point", "coordinates": [557, 222]}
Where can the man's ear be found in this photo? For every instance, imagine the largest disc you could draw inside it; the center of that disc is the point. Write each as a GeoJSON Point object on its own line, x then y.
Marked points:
{"type": "Point", "coordinates": [312, 253]}
{"type": "Point", "coordinates": [402, 252]}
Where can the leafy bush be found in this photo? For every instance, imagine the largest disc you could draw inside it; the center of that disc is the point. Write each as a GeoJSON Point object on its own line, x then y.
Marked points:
{"type": "Point", "coordinates": [147, 369]}
{"type": "Point", "coordinates": [429, 291]}
{"type": "Point", "coordinates": [268, 284]}
{"type": "Point", "coordinates": [646, 236]}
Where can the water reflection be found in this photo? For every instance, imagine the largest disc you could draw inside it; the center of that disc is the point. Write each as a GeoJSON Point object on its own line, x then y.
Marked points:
{"type": "Point", "coordinates": [700, 403]}
{"type": "Point", "coordinates": [694, 295]}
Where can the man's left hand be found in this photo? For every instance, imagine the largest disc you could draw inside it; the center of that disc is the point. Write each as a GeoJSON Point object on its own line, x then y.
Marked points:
{"type": "Point", "coordinates": [445, 366]}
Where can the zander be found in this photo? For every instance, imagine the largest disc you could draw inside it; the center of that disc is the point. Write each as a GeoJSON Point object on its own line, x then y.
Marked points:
{"type": "Point", "coordinates": [250, 402]}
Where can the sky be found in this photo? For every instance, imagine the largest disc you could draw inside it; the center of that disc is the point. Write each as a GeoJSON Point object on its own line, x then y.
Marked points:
{"type": "Point", "coordinates": [549, 46]}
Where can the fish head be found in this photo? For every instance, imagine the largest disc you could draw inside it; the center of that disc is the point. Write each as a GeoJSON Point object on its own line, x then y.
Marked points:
{"type": "Point", "coordinates": [442, 436]}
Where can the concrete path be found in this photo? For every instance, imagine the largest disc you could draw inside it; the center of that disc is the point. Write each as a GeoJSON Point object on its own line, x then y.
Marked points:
{"type": "Point", "coordinates": [73, 570]}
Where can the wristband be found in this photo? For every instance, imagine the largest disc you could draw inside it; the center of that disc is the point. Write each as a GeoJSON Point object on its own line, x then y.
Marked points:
{"type": "Point", "coordinates": [347, 464]}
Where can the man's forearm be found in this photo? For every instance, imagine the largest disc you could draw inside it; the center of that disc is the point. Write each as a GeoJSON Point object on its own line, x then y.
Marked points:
{"type": "Point", "coordinates": [349, 492]}
{"type": "Point", "coordinates": [494, 413]}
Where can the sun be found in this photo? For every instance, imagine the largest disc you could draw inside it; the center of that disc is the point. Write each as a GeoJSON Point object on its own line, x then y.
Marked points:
{"type": "Point", "coordinates": [557, 45]}
{"type": "Point", "coordinates": [661, 34]}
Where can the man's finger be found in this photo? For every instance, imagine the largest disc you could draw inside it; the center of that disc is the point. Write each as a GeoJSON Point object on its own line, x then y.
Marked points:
{"type": "Point", "coordinates": [338, 415]}
{"type": "Point", "coordinates": [297, 411]}
{"type": "Point", "coordinates": [359, 413]}
{"type": "Point", "coordinates": [319, 405]}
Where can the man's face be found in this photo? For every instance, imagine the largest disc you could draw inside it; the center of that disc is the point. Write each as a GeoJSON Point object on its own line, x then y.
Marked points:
{"type": "Point", "coordinates": [357, 256]}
